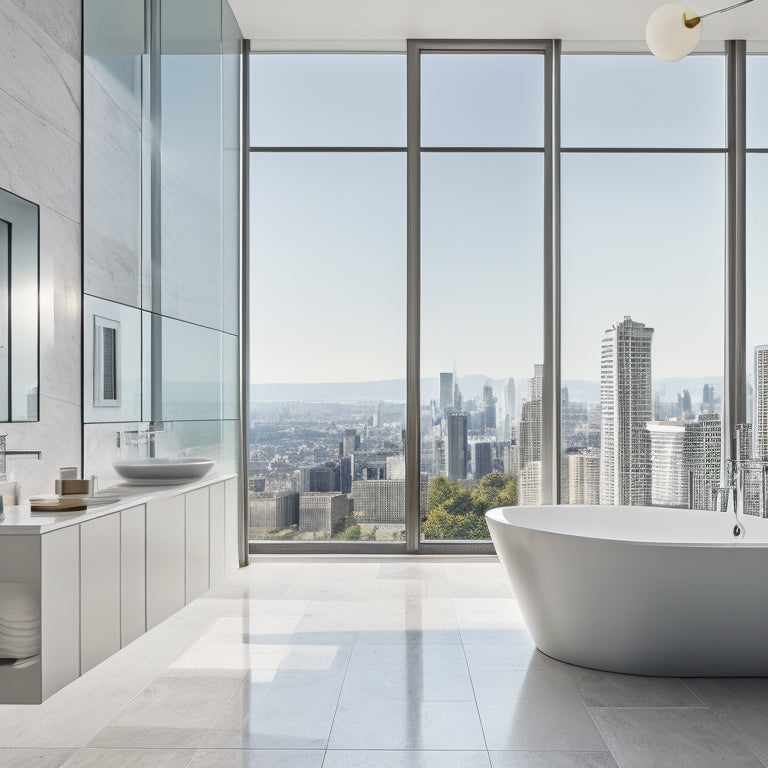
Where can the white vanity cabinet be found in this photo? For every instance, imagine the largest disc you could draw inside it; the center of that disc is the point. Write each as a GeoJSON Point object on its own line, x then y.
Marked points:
{"type": "Point", "coordinates": [101, 579]}
{"type": "Point", "coordinates": [165, 558]}
{"type": "Point", "coordinates": [217, 535]}
{"type": "Point", "coordinates": [230, 526]}
{"type": "Point", "coordinates": [59, 609]}
{"type": "Point", "coordinates": [99, 590]}
{"type": "Point", "coordinates": [133, 574]}
{"type": "Point", "coordinates": [197, 559]}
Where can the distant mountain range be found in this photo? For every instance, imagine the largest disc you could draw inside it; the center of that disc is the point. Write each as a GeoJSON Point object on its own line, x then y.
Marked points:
{"type": "Point", "coordinates": [579, 390]}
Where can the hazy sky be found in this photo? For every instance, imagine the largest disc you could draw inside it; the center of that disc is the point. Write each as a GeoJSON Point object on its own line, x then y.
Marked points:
{"type": "Point", "coordinates": [643, 234]}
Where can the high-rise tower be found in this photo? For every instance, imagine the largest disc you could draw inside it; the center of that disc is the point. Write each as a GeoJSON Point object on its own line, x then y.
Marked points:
{"type": "Point", "coordinates": [760, 399]}
{"type": "Point", "coordinates": [456, 445]}
{"type": "Point", "coordinates": [446, 392]}
{"type": "Point", "coordinates": [627, 405]}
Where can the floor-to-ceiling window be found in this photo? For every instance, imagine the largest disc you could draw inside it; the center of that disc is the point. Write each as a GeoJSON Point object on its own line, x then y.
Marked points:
{"type": "Point", "coordinates": [643, 244]}
{"type": "Point", "coordinates": [481, 142]}
{"type": "Point", "coordinates": [328, 255]}
{"type": "Point", "coordinates": [754, 439]}
{"type": "Point", "coordinates": [569, 229]}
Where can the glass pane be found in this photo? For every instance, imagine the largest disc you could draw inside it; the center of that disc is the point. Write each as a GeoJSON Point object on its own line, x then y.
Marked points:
{"type": "Point", "coordinates": [112, 148]}
{"type": "Point", "coordinates": [482, 99]}
{"type": "Point", "coordinates": [230, 169]}
{"type": "Point", "coordinates": [5, 336]}
{"type": "Point", "coordinates": [191, 259]}
{"type": "Point", "coordinates": [104, 443]}
{"type": "Point", "coordinates": [481, 337]}
{"type": "Point", "coordinates": [757, 314]}
{"type": "Point", "coordinates": [757, 105]}
{"type": "Point", "coordinates": [328, 240]}
{"type": "Point", "coordinates": [639, 101]}
{"type": "Point", "coordinates": [334, 100]}
{"type": "Point", "coordinates": [642, 327]}
{"type": "Point", "coordinates": [196, 378]}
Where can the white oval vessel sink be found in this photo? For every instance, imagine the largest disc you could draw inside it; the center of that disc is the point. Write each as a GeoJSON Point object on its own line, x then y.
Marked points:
{"type": "Point", "coordinates": [179, 469]}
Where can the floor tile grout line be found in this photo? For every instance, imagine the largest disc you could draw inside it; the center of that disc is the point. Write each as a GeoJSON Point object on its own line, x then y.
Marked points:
{"type": "Point", "coordinates": [194, 750]}
{"type": "Point", "coordinates": [469, 674]}
{"type": "Point", "coordinates": [736, 735]}
{"type": "Point", "coordinates": [682, 709]}
{"type": "Point", "coordinates": [592, 718]}
{"type": "Point", "coordinates": [338, 698]}
{"type": "Point", "coordinates": [640, 706]}
{"type": "Point", "coordinates": [132, 698]}
{"type": "Point", "coordinates": [693, 693]}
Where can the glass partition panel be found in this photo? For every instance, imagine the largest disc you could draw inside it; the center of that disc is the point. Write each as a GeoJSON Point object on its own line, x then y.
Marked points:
{"type": "Point", "coordinates": [113, 83]}
{"type": "Point", "coordinates": [642, 327]}
{"type": "Point", "coordinates": [197, 376]}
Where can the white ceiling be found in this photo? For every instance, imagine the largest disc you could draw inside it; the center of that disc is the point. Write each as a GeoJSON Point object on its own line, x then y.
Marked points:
{"type": "Point", "coordinates": [398, 20]}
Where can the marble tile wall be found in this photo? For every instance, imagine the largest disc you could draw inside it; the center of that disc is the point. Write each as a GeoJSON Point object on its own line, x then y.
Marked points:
{"type": "Point", "coordinates": [40, 105]}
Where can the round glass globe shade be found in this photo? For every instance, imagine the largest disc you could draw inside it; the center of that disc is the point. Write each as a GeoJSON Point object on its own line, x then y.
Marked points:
{"type": "Point", "coordinates": [666, 34]}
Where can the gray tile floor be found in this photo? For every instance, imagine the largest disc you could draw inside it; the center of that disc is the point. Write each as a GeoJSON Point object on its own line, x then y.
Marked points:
{"type": "Point", "coordinates": [374, 662]}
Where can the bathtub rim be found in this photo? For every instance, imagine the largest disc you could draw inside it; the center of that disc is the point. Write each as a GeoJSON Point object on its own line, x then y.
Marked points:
{"type": "Point", "coordinates": [496, 514]}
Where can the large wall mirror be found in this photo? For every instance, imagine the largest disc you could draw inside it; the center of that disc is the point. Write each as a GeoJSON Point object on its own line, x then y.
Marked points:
{"type": "Point", "coordinates": [19, 309]}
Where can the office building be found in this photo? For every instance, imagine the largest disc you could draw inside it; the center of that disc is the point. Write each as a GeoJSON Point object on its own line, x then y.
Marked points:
{"type": "Point", "coordinates": [627, 406]}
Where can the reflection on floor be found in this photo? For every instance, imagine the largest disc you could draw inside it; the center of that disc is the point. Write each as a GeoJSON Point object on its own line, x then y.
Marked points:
{"type": "Point", "coordinates": [323, 662]}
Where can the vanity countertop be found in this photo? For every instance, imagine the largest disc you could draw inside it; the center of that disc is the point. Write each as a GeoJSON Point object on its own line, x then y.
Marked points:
{"type": "Point", "coordinates": [19, 520]}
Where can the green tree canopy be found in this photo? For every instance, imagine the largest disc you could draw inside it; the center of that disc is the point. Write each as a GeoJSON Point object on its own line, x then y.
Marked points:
{"type": "Point", "coordinates": [456, 510]}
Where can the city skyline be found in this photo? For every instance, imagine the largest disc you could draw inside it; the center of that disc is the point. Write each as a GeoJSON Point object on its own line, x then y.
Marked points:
{"type": "Point", "coordinates": [641, 444]}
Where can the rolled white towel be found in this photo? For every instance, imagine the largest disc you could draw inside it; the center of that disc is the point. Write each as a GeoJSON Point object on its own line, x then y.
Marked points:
{"type": "Point", "coordinates": [26, 626]}
{"type": "Point", "coordinates": [19, 602]}
{"type": "Point", "coordinates": [19, 634]}
{"type": "Point", "coordinates": [19, 651]}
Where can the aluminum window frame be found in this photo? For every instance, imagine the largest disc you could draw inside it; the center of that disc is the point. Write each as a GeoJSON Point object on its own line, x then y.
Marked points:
{"type": "Point", "coordinates": [734, 364]}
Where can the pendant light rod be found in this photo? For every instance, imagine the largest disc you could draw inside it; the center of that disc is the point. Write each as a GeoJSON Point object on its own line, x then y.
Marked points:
{"type": "Point", "coordinates": [723, 10]}
{"type": "Point", "coordinates": [692, 22]}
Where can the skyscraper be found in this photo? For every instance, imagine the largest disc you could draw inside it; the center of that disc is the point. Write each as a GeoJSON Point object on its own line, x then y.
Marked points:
{"type": "Point", "coordinates": [530, 484]}
{"type": "Point", "coordinates": [489, 408]}
{"type": "Point", "coordinates": [456, 445]}
{"type": "Point", "coordinates": [350, 442]}
{"type": "Point", "coordinates": [701, 458]}
{"type": "Point", "coordinates": [584, 477]}
{"type": "Point", "coordinates": [509, 406]}
{"type": "Point", "coordinates": [669, 478]}
{"type": "Point", "coordinates": [482, 459]}
{"type": "Point", "coordinates": [529, 432]}
{"type": "Point", "coordinates": [627, 405]}
{"type": "Point", "coordinates": [760, 398]}
{"type": "Point", "coordinates": [535, 385]}
{"type": "Point", "coordinates": [446, 392]}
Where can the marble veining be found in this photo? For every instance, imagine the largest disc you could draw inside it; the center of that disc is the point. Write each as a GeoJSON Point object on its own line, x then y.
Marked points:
{"type": "Point", "coordinates": [38, 72]}
{"type": "Point", "coordinates": [58, 18]}
{"type": "Point", "coordinates": [37, 160]}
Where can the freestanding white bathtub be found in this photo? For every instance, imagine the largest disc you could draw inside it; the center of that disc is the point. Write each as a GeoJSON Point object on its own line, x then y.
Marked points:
{"type": "Point", "coordinates": [641, 590]}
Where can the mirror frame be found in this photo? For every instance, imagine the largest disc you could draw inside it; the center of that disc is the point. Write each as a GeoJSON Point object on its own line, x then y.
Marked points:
{"type": "Point", "coordinates": [23, 216]}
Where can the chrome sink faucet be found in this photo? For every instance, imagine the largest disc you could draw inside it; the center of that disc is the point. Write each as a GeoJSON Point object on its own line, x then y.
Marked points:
{"type": "Point", "coordinates": [4, 453]}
